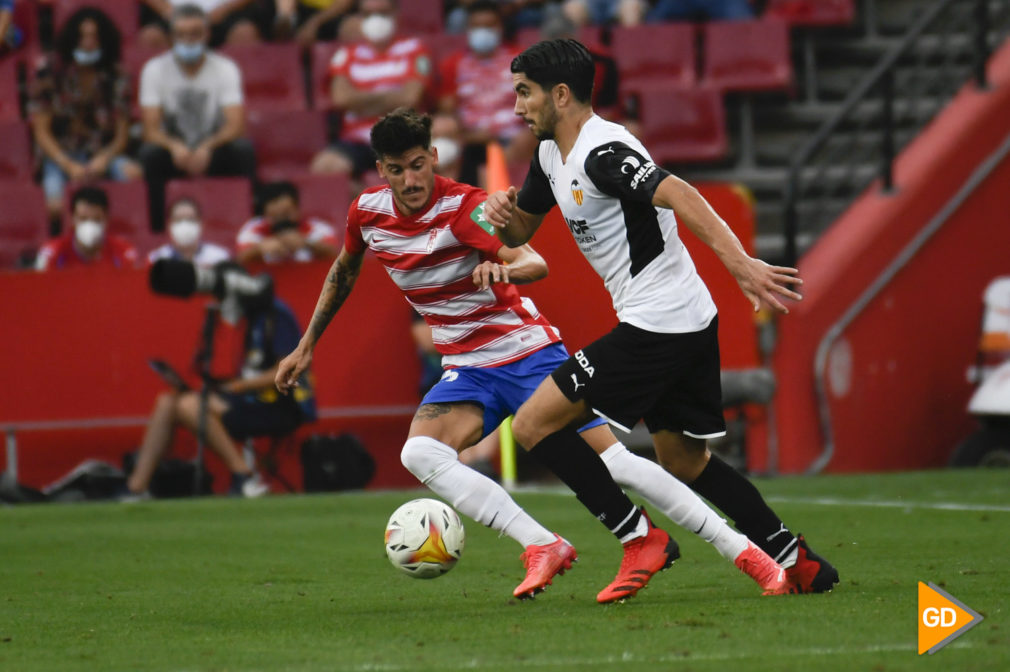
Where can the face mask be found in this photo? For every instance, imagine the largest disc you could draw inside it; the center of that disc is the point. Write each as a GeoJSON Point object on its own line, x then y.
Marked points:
{"type": "Point", "coordinates": [448, 150]}
{"type": "Point", "coordinates": [187, 52]}
{"type": "Point", "coordinates": [377, 27]}
{"type": "Point", "coordinates": [89, 233]}
{"type": "Point", "coordinates": [483, 40]}
{"type": "Point", "coordinates": [185, 232]}
{"type": "Point", "coordinates": [86, 57]}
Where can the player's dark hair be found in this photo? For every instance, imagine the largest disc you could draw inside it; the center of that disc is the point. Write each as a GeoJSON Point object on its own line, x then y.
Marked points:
{"type": "Point", "coordinates": [108, 37]}
{"type": "Point", "coordinates": [400, 131]}
{"type": "Point", "coordinates": [483, 6]}
{"type": "Point", "coordinates": [186, 200]}
{"type": "Point", "coordinates": [271, 191]}
{"type": "Point", "coordinates": [91, 196]}
{"type": "Point", "coordinates": [560, 61]}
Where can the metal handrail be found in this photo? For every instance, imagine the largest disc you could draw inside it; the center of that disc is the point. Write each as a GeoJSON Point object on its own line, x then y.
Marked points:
{"type": "Point", "coordinates": [882, 76]}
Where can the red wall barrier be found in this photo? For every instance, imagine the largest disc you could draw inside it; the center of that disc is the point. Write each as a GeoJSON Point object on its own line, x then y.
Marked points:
{"type": "Point", "coordinates": [897, 387]}
{"type": "Point", "coordinates": [74, 345]}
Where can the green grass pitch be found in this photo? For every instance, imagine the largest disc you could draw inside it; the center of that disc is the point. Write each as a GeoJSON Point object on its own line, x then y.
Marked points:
{"type": "Point", "coordinates": [302, 583]}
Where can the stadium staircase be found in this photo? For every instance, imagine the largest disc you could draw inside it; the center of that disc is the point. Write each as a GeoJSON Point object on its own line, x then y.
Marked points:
{"type": "Point", "coordinates": [862, 91]}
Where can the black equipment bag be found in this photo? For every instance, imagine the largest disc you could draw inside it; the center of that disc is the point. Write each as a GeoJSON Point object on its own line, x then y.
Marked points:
{"type": "Point", "coordinates": [332, 463]}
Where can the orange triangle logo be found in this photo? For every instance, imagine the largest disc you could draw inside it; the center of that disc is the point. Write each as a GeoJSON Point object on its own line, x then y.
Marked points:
{"type": "Point", "coordinates": [942, 618]}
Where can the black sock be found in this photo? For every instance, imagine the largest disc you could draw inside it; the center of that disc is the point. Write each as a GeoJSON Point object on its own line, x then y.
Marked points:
{"type": "Point", "coordinates": [731, 492]}
{"type": "Point", "coordinates": [582, 470]}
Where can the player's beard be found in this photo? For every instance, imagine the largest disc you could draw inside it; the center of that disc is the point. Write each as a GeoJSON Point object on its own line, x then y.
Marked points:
{"type": "Point", "coordinates": [545, 129]}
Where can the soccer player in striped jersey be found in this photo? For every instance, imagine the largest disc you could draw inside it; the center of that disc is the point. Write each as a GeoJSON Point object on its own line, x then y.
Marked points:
{"type": "Point", "coordinates": [430, 234]}
{"type": "Point", "coordinates": [661, 362]}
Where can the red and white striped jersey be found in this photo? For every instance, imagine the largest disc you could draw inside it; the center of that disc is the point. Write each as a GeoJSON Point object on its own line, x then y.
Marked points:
{"type": "Point", "coordinates": [431, 256]}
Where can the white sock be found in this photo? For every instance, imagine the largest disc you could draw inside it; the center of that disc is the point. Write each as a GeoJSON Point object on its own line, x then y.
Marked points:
{"type": "Point", "coordinates": [676, 500]}
{"type": "Point", "coordinates": [437, 466]}
{"type": "Point", "coordinates": [791, 558]}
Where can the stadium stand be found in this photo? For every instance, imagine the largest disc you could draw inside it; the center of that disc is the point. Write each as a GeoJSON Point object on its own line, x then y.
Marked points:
{"type": "Point", "coordinates": [322, 53]}
{"type": "Point", "coordinates": [23, 221]}
{"type": "Point", "coordinates": [10, 108]}
{"type": "Point", "coordinates": [324, 196]}
{"type": "Point", "coordinates": [15, 151]}
{"type": "Point", "coordinates": [527, 37]}
{"type": "Point", "coordinates": [124, 13]}
{"type": "Point", "coordinates": [422, 17]}
{"type": "Point", "coordinates": [655, 53]}
{"type": "Point", "coordinates": [680, 125]}
{"type": "Point", "coordinates": [285, 140]}
{"type": "Point", "coordinates": [225, 202]}
{"type": "Point", "coordinates": [747, 55]}
{"type": "Point", "coordinates": [271, 76]}
{"type": "Point", "coordinates": [812, 12]}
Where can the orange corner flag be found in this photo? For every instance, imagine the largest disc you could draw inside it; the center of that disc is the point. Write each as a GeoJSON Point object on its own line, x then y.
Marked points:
{"type": "Point", "coordinates": [942, 618]}
{"type": "Point", "coordinates": [497, 168]}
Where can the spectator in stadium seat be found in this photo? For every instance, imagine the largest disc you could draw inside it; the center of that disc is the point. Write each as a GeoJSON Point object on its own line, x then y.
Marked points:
{"type": "Point", "coordinates": [246, 406]}
{"type": "Point", "coordinates": [232, 22]}
{"type": "Point", "coordinates": [185, 230]}
{"type": "Point", "coordinates": [476, 85]}
{"type": "Point", "coordinates": [447, 141]}
{"type": "Point", "coordinates": [80, 108]}
{"type": "Point", "coordinates": [281, 233]}
{"type": "Point", "coordinates": [306, 21]}
{"type": "Point", "coordinates": [369, 79]}
{"type": "Point", "coordinates": [699, 10]}
{"type": "Point", "coordinates": [605, 12]}
{"type": "Point", "coordinates": [192, 110]}
{"type": "Point", "coordinates": [88, 243]}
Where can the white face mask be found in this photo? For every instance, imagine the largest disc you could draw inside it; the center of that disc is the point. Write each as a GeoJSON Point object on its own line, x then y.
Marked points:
{"type": "Point", "coordinates": [483, 40]}
{"type": "Point", "coordinates": [377, 27]}
{"type": "Point", "coordinates": [185, 232]}
{"type": "Point", "coordinates": [448, 150]}
{"type": "Point", "coordinates": [89, 233]}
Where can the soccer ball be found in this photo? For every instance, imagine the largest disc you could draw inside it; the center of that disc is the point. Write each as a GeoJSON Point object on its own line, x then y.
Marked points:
{"type": "Point", "coordinates": [424, 538]}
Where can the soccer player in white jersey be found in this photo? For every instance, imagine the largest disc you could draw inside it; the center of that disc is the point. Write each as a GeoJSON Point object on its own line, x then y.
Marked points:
{"type": "Point", "coordinates": [429, 233]}
{"type": "Point", "coordinates": [661, 362]}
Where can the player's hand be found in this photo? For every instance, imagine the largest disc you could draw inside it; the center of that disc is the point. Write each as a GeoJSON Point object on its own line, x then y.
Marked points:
{"type": "Point", "coordinates": [761, 283]}
{"type": "Point", "coordinates": [291, 368]}
{"type": "Point", "coordinates": [499, 207]}
{"type": "Point", "coordinates": [488, 273]}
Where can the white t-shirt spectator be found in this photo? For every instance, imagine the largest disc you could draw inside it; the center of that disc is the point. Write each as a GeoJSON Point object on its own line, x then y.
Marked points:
{"type": "Point", "coordinates": [191, 106]}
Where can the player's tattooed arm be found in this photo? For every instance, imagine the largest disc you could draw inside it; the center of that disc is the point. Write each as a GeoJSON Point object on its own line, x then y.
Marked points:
{"type": "Point", "coordinates": [339, 283]}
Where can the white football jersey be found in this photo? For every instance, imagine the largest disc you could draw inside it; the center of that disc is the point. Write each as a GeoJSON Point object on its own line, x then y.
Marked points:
{"type": "Point", "coordinates": [604, 190]}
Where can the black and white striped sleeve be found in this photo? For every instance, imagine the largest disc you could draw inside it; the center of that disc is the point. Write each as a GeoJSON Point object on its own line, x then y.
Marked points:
{"type": "Point", "coordinates": [620, 171]}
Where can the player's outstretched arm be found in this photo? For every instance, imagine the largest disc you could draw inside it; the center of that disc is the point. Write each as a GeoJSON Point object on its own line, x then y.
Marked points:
{"type": "Point", "coordinates": [524, 265]}
{"type": "Point", "coordinates": [515, 225]}
{"type": "Point", "coordinates": [338, 285]}
{"type": "Point", "coordinates": [759, 281]}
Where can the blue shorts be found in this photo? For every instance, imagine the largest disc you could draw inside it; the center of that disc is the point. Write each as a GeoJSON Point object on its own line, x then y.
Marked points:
{"type": "Point", "coordinates": [500, 390]}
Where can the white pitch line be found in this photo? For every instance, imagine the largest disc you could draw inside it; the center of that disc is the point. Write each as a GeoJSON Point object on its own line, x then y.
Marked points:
{"type": "Point", "coordinates": [630, 658]}
{"type": "Point", "coordinates": [889, 504]}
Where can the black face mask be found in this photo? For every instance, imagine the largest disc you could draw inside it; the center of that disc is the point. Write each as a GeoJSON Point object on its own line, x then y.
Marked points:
{"type": "Point", "coordinates": [283, 225]}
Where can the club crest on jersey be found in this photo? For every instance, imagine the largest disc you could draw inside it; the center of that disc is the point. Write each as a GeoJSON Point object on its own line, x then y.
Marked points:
{"type": "Point", "coordinates": [478, 218]}
{"type": "Point", "coordinates": [577, 192]}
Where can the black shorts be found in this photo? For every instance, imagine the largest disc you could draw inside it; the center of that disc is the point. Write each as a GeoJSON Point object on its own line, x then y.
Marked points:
{"type": "Point", "coordinates": [248, 417]}
{"type": "Point", "coordinates": [670, 380]}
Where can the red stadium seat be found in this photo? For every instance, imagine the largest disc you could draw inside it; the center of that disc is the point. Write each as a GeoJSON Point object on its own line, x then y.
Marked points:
{"type": "Point", "coordinates": [527, 37]}
{"type": "Point", "coordinates": [422, 17]}
{"type": "Point", "coordinates": [659, 52]}
{"type": "Point", "coordinates": [682, 125]}
{"type": "Point", "coordinates": [127, 208]}
{"type": "Point", "coordinates": [324, 196]}
{"type": "Point", "coordinates": [23, 221]}
{"type": "Point", "coordinates": [124, 13]}
{"type": "Point", "coordinates": [747, 55]}
{"type": "Point", "coordinates": [134, 58]}
{"type": "Point", "coordinates": [271, 76]}
{"type": "Point", "coordinates": [15, 151]}
{"type": "Point", "coordinates": [322, 54]}
{"type": "Point", "coordinates": [286, 141]}
{"type": "Point", "coordinates": [812, 12]}
{"type": "Point", "coordinates": [225, 203]}
{"type": "Point", "coordinates": [10, 108]}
